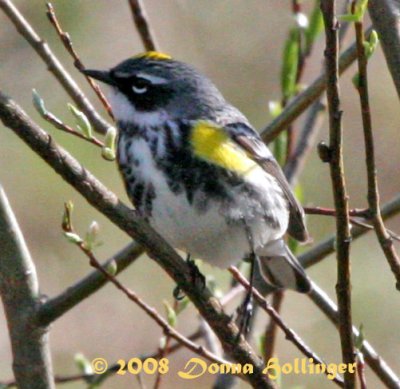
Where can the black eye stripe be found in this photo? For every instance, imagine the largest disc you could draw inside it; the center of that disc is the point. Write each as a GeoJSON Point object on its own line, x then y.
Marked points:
{"type": "Point", "coordinates": [140, 82]}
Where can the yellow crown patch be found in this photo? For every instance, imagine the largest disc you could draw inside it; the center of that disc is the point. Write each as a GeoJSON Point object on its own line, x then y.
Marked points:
{"type": "Point", "coordinates": [153, 55]}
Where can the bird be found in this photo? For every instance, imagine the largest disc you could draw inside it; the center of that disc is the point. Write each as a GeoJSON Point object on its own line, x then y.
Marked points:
{"type": "Point", "coordinates": [198, 172]}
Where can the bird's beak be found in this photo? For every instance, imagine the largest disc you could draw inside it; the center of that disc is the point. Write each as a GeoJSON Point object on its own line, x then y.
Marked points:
{"type": "Point", "coordinates": [100, 75]}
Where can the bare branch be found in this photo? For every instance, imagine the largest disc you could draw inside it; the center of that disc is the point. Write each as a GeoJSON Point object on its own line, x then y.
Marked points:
{"type": "Point", "coordinates": [19, 291]}
{"type": "Point", "coordinates": [129, 221]}
{"type": "Point", "coordinates": [53, 65]}
{"type": "Point", "coordinates": [383, 235]}
{"type": "Point", "coordinates": [385, 15]}
{"type": "Point", "coordinates": [335, 152]}
{"type": "Point", "coordinates": [142, 25]}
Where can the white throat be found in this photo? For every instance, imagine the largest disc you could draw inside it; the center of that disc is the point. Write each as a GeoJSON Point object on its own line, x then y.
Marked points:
{"type": "Point", "coordinates": [124, 111]}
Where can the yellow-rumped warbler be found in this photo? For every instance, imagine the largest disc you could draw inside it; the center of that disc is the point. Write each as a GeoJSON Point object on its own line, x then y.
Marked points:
{"type": "Point", "coordinates": [196, 169]}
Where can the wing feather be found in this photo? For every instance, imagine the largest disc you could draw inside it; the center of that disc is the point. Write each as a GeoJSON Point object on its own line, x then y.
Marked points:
{"type": "Point", "coordinates": [250, 141]}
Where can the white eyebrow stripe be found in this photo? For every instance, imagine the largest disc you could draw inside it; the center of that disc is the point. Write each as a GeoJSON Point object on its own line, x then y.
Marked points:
{"type": "Point", "coordinates": [155, 80]}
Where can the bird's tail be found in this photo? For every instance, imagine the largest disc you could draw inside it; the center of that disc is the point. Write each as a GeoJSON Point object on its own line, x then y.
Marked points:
{"type": "Point", "coordinates": [281, 269]}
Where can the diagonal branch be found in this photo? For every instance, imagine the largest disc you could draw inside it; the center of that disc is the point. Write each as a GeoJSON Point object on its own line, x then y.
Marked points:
{"type": "Point", "coordinates": [52, 309]}
{"type": "Point", "coordinates": [129, 221]}
{"type": "Point", "coordinates": [19, 291]}
{"type": "Point", "coordinates": [53, 65]}
{"type": "Point", "coordinates": [143, 25]}
{"type": "Point", "coordinates": [335, 159]}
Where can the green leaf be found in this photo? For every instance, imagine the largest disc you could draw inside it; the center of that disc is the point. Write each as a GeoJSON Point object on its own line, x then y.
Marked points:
{"type": "Point", "coordinates": [290, 64]}
{"type": "Point", "coordinates": [66, 220]}
{"type": "Point", "coordinates": [315, 27]}
{"type": "Point", "coordinates": [38, 103]}
{"type": "Point", "coordinates": [82, 122]}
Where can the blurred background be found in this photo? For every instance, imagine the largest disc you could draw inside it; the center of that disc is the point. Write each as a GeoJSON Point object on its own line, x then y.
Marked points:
{"type": "Point", "coordinates": [239, 45]}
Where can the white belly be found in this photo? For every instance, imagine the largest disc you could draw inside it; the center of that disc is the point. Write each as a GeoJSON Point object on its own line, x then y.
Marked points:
{"type": "Point", "coordinates": [205, 234]}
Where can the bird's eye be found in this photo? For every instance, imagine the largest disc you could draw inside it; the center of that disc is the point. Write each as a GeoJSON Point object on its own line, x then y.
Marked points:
{"type": "Point", "coordinates": [140, 85]}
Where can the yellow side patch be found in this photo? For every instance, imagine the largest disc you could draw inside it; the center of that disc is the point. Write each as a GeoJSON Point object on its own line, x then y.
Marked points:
{"type": "Point", "coordinates": [212, 144]}
{"type": "Point", "coordinates": [153, 55]}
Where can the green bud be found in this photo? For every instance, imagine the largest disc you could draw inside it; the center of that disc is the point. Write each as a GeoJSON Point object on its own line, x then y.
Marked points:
{"type": "Point", "coordinates": [108, 151]}
{"type": "Point", "coordinates": [83, 123]}
{"type": "Point", "coordinates": [275, 108]}
{"type": "Point", "coordinates": [112, 268]}
{"type": "Point", "coordinates": [356, 80]}
{"type": "Point", "coordinates": [66, 224]}
{"type": "Point", "coordinates": [108, 154]}
{"type": "Point", "coordinates": [91, 236]}
{"type": "Point", "coordinates": [72, 237]}
{"type": "Point", "coordinates": [163, 342]}
{"type": "Point", "coordinates": [371, 45]}
{"type": "Point", "coordinates": [359, 339]}
{"type": "Point", "coordinates": [38, 103]}
{"type": "Point", "coordinates": [83, 364]}
{"type": "Point", "coordinates": [171, 314]}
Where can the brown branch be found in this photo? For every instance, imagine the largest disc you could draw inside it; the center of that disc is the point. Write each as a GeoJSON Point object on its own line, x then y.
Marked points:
{"type": "Point", "coordinates": [53, 65]}
{"type": "Point", "coordinates": [385, 19]}
{"type": "Point", "coordinates": [289, 333]}
{"type": "Point", "coordinates": [304, 99]}
{"type": "Point", "coordinates": [150, 311]}
{"type": "Point", "coordinates": [271, 330]}
{"type": "Point", "coordinates": [19, 291]}
{"type": "Point", "coordinates": [129, 221]}
{"type": "Point", "coordinates": [382, 234]}
{"type": "Point", "coordinates": [335, 152]}
{"type": "Point", "coordinates": [143, 25]}
{"type": "Point", "coordinates": [66, 40]}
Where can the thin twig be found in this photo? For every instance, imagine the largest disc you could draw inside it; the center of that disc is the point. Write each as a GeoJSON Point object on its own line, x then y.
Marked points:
{"type": "Point", "coordinates": [66, 40]}
{"type": "Point", "coordinates": [289, 333]}
{"type": "Point", "coordinates": [328, 246]}
{"type": "Point", "coordinates": [54, 65]}
{"type": "Point", "coordinates": [142, 25]}
{"type": "Point", "coordinates": [133, 224]}
{"type": "Point", "coordinates": [361, 370]}
{"type": "Point", "coordinates": [60, 125]}
{"type": "Point", "coordinates": [271, 330]}
{"type": "Point", "coordinates": [382, 234]}
{"type": "Point", "coordinates": [304, 99]}
{"type": "Point", "coordinates": [335, 152]}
